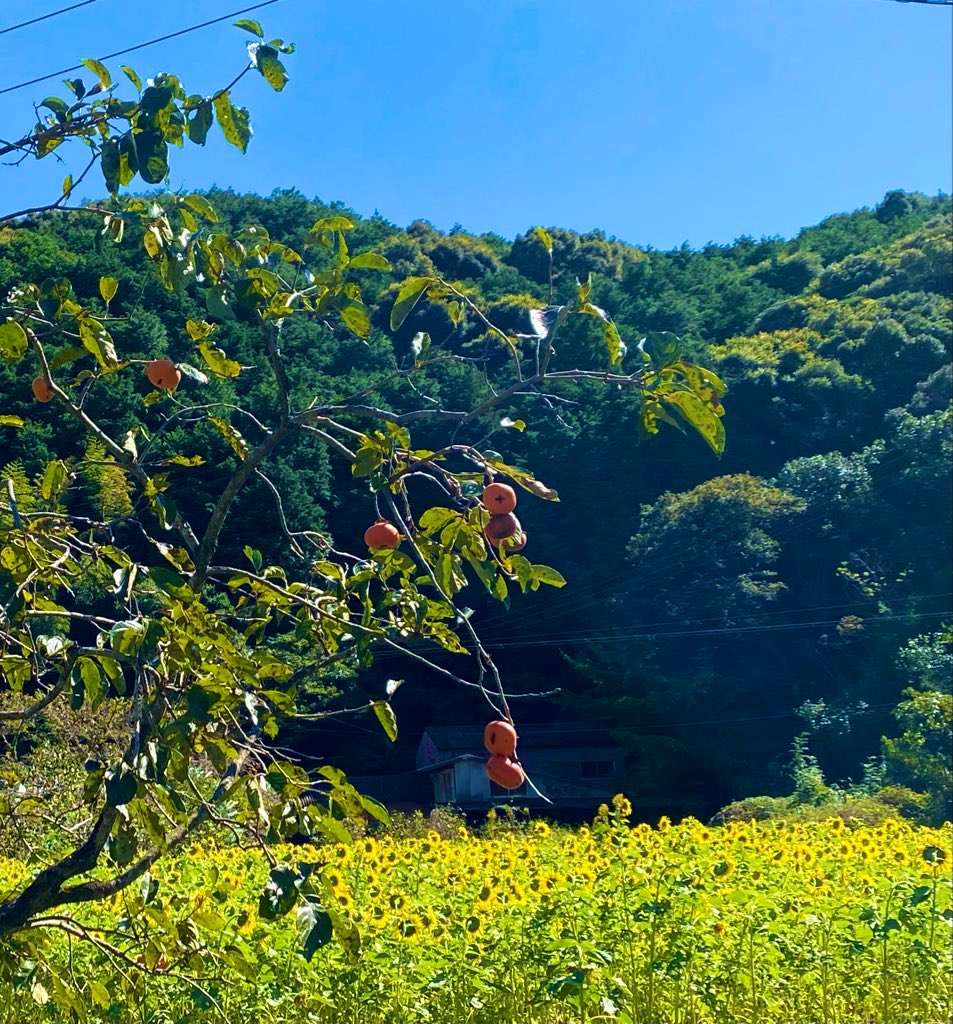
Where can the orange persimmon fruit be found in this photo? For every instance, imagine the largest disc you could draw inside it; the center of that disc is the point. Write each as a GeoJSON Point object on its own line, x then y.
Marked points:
{"type": "Point", "coordinates": [504, 772]}
{"type": "Point", "coordinates": [498, 498]}
{"type": "Point", "coordinates": [163, 374]}
{"type": "Point", "coordinates": [42, 391]}
{"type": "Point", "coordinates": [381, 534]}
{"type": "Point", "coordinates": [500, 737]}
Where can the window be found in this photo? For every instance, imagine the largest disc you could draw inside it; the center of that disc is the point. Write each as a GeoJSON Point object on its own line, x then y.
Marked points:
{"type": "Point", "coordinates": [497, 791]}
{"type": "Point", "coordinates": [596, 769]}
{"type": "Point", "coordinates": [443, 788]}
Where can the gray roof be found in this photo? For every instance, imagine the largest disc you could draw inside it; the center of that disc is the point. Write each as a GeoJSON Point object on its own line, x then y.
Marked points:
{"type": "Point", "coordinates": [470, 737]}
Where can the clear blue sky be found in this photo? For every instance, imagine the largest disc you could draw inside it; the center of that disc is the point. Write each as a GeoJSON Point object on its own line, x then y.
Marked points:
{"type": "Point", "coordinates": [659, 121]}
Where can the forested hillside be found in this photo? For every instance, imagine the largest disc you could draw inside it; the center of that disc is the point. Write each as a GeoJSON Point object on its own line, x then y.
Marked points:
{"type": "Point", "coordinates": [715, 609]}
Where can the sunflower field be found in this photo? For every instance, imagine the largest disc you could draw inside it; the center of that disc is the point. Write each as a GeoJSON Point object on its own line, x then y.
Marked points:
{"type": "Point", "coordinates": [751, 921]}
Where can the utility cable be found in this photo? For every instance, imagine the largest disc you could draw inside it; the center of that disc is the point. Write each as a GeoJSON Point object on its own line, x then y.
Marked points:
{"type": "Point", "coordinates": [46, 17]}
{"type": "Point", "coordinates": [139, 46]}
{"type": "Point", "coordinates": [591, 593]}
{"type": "Point", "coordinates": [558, 641]}
{"type": "Point", "coordinates": [586, 595]}
{"type": "Point", "coordinates": [608, 631]}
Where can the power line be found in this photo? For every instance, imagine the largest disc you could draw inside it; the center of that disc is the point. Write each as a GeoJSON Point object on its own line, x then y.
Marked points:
{"type": "Point", "coordinates": [559, 641]}
{"type": "Point", "coordinates": [591, 594]}
{"type": "Point", "coordinates": [46, 17]}
{"type": "Point", "coordinates": [609, 631]}
{"type": "Point", "coordinates": [139, 46]}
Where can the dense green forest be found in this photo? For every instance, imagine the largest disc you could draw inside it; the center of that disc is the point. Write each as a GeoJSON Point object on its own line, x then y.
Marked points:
{"type": "Point", "coordinates": [719, 614]}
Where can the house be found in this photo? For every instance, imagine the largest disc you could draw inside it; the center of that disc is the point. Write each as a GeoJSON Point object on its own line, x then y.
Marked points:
{"type": "Point", "coordinates": [575, 768]}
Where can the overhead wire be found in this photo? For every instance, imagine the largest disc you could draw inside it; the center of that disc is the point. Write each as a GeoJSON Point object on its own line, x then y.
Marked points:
{"type": "Point", "coordinates": [587, 595]}
{"type": "Point", "coordinates": [608, 632]}
{"type": "Point", "coordinates": [140, 46]}
{"type": "Point", "coordinates": [46, 17]}
{"type": "Point", "coordinates": [561, 641]}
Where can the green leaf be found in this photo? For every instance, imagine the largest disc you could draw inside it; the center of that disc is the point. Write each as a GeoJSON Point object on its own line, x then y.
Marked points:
{"type": "Point", "coordinates": [233, 121]}
{"type": "Point", "coordinates": [92, 681]}
{"type": "Point", "coordinates": [99, 993]}
{"type": "Point", "coordinates": [121, 786]}
{"type": "Point", "coordinates": [271, 68]}
{"type": "Point", "coordinates": [370, 261]}
{"type": "Point", "coordinates": [58, 106]}
{"type": "Point", "coordinates": [108, 286]}
{"type": "Point", "coordinates": [356, 319]}
{"type": "Point", "coordinates": [7, 420]}
{"type": "Point", "coordinates": [314, 928]}
{"type": "Point", "coordinates": [55, 479]}
{"type": "Point", "coordinates": [544, 574]}
{"type": "Point", "coordinates": [67, 355]}
{"type": "Point", "coordinates": [152, 155]}
{"type": "Point", "coordinates": [700, 415]}
{"type": "Point", "coordinates": [407, 297]}
{"type": "Point", "coordinates": [210, 920]}
{"type": "Point", "coordinates": [387, 718]}
{"type": "Point", "coordinates": [200, 122]}
{"type": "Point", "coordinates": [280, 893]}
{"type": "Point", "coordinates": [128, 158]}
{"type": "Point", "coordinates": [662, 347]}
{"type": "Point", "coordinates": [109, 164]}
{"type": "Point", "coordinates": [13, 342]}
{"type": "Point", "coordinates": [217, 302]}
{"type": "Point", "coordinates": [99, 70]}
{"type": "Point", "coordinates": [201, 206]}
{"type": "Point", "coordinates": [337, 222]}
{"type": "Point", "coordinates": [98, 340]}
{"type": "Point", "coordinates": [250, 26]}
{"type": "Point", "coordinates": [132, 76]}
{"type": "Point", "coordinates": [168, 579]}
{"type": "Point", "coordinates": [218, 362]}
{"type": "Point", "coordinates": [126, 637]}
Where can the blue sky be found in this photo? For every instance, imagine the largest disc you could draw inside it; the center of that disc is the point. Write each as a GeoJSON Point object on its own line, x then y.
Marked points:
{"type": "Point", "coordinates": [659, 121]}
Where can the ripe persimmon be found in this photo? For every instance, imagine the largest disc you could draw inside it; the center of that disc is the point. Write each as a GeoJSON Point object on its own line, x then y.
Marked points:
{"type": "Point", "coordinates": [504, 772]}
{"type": "Point", "coordinates": [42, 391]}
{"type": "Point", "coordinates": [501, 527]}
{"type": "Point", "coordinates": [500, 737]}
{"type": "Point", "coordinates": [163, 374]}
{"type": "Point", "coordinates": [498, 498]}
{"type": "Point", "coordinates": [381, 534]}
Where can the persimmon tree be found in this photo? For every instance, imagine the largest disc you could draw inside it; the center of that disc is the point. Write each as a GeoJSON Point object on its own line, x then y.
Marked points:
{"type": "Point", "coordinates": [206, 654]}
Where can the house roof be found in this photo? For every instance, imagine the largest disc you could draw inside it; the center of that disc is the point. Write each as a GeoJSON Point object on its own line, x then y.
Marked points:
{"type": "Point", "coordinates": [439, 765]}
{"type": "Point", "coordinates": [470, 737]}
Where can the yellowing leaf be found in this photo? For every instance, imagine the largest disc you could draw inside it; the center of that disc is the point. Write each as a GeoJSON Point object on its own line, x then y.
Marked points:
{"type": "Point", "coordinates": [545, 238]}
{"type": "Point", "coordinates": [700, 415]}
{"type": "Point", "coordinates": [233, 121]}
{"type": "Point", "coordinates": [235, 440]}
{"type": "Point", "coordinates": [387, 718]}
{"type": "Point", "coordinates": [99, 70]}
{"type": "Point", "coordinates": [218, 362]}
{"type": "Point", "coordinates": [108, 286]}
